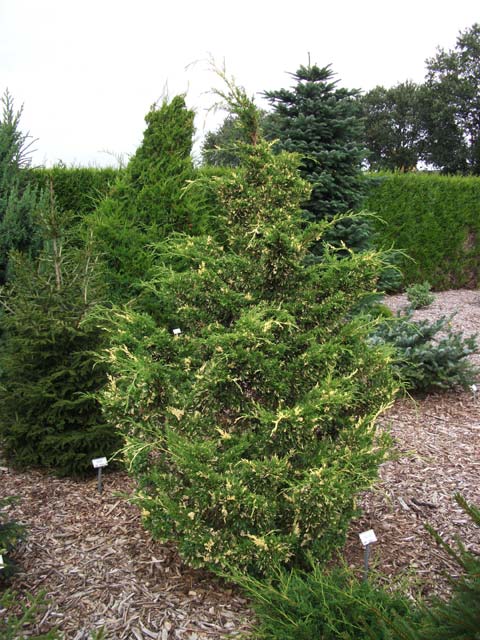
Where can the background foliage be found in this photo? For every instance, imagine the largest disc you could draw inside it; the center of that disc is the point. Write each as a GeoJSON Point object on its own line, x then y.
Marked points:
{"type": "Point", "coordinates": [77, 189]}
{"type": "Point", "coordinates": [435, 220]}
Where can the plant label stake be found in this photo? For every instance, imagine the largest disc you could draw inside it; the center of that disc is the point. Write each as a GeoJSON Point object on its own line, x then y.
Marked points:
{"type": "Point", "coordinates": [2, 564]}
{"type": "Point", "coordinates": [474, 389]}
{"type": "Point", "coordinates": [176, 332]}
{"type": "Point", "coordinates": [98, 464]}
{"type": "Point", "coordinates": [367, 538]}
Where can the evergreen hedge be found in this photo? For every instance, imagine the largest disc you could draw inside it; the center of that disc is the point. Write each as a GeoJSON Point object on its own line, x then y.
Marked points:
{"type": "Point", "coordinates": [76, 189]}
{"type": "Point", "coordinates": [435, 220]}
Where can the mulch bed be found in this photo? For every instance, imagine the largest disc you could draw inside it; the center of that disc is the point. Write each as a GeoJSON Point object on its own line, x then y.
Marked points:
{"type": "Point", "coordinates": [99, 568]}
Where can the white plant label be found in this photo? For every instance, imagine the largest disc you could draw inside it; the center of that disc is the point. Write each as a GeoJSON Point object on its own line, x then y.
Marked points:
{"type": "Point", "coordinates": [99, 462]}
{"type": "Point", "coordinates": [2, 564]}
{"type": "Point", "coordinates": [367, 537]}
{"type": "Point", "coordinates": [474, 388]}
{"type": "Point", "coordinates": [176, 332]}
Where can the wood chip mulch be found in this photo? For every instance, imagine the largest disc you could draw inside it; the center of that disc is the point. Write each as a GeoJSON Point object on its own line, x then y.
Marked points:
{"type": "Point", "coordinates": [99, 567]}
{"type": "Point", "coordinates": [436, 454]}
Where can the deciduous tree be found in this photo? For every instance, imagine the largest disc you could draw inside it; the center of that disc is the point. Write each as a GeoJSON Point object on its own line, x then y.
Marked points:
{"type": "Point", "coordinates": [453, 114]}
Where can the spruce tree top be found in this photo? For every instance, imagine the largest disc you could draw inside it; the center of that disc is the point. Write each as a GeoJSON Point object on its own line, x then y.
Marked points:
{"type": "Point", "coordinates": [322, 123]}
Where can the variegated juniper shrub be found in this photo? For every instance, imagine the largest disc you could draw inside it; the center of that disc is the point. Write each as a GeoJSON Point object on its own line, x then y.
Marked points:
{"type": "Point", "coordinates": [251, 432]}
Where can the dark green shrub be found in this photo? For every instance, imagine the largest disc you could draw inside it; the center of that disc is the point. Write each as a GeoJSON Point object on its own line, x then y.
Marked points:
{"type": "Point", "coordinates": [11, 533]}
{"type": "Point", "coordinates": [419, 295]}
{"type": "Point", "coordinates": [424, 360]}
{"type": "Point", "coordinates": [321, 603]}
{"type": "Point", "coordinates": [78, 189]}
{"type": "Point", "coordinates": [150, 201]}
{"type": "Point", "coordinates": [47, 368]}
{"type": "Point", "coordinates": [434, 220]}
{"type": "Point", "coordinates": [252, 431]}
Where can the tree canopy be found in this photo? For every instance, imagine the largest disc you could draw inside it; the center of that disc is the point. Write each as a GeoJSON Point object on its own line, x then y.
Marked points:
{"type": "Point", "coordinates": [394, 126]}
{"type": "Point", "coordinates": [453, 113]}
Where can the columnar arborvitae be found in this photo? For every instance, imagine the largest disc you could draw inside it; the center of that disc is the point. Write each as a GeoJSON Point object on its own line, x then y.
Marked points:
{"type": "Point", "coordinates": [47, 370]}
{"type": "Point", "coordinates": [252, 430]}
{"type": "Point", "coordinates": [323, 124]}
{"type": "Point", "coordinates": [150, 201]}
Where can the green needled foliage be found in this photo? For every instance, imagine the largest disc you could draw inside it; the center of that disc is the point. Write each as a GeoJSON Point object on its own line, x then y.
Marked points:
{"type": "Point", "coordinates": [46, 363]}
{"type": "Point", "coordinates": [151, 200]}
{"type": "Point", "coordinates": [432, 219]}
{"type": "Point", "coordinates": [322, 123]}
{"type": "Point", "coordinates": [251, 432]}
{"type": "Point", "coordinates": [18, 199]}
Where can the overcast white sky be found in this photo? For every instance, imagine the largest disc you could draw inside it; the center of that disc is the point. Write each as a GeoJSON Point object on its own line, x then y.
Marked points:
{"type": "Point", "coordinates": [87, 71]}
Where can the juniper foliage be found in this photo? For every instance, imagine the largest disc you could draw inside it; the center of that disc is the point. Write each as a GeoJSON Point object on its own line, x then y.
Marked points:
{"type": "Point", "coordinates": [251, 432]}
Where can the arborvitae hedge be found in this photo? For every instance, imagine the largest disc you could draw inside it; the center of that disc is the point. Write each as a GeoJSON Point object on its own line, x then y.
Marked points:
{"type": "Point", "coordinates": [435, 220]}
{"type": "Point", "coordinates": [76, 189]}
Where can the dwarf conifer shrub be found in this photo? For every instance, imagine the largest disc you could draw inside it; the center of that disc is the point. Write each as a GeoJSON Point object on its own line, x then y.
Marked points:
{"type": "Point", "coordinates": [47, 367]}
{"type": "Point", "coordinates": [251, 431]}
{"type": "Point", "coordinates": [429, 355]}
{"type": "Point", "coordinates": [419, 295]}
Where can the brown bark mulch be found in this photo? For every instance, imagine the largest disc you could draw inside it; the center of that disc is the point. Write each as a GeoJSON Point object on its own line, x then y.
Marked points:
{"type": "Point", "coordinates": [436, 455]}
{"type": "Point", "coordinates": [101, 569]}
